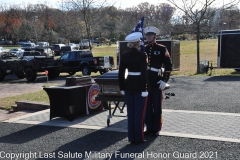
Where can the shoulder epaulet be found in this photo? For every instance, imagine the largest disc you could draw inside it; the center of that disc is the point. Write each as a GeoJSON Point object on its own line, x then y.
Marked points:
{"type": "Point", "coordinates": [125, 52]}
{"type": "Point", "coordinates": [160, 45]}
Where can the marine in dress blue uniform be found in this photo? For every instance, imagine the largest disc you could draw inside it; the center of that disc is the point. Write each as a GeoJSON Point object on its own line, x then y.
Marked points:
{"type": "Point", "coordinates": [134, 86]}
{"type": "Point", "coordinates": [158, 57]}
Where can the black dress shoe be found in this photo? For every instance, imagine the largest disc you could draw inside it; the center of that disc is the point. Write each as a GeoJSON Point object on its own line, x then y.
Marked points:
{"type": "Point", "coordinates": [132, 142]}
{"type": "Point", "coordinates": [147, 132]}
{"type": "Point", "coordinates": [155, 133]}
{"type": "Point", "coordinates": [141, 142]}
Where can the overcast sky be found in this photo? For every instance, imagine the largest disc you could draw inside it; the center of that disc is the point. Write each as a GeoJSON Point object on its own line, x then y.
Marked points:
{"type": "Point", "coordinates": [120, 3]}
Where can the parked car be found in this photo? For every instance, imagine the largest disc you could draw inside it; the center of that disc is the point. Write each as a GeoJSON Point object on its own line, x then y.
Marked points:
{"type": "Point", "coordinates": [30, 55]}
{"type": "Point", "coordinates": [85, 44]}
{"type": "Point", "coordinates": [57, 48]}
{"type": "Point", "coordinates": [3, 51]}
{"type": "Point", "coordinates": [21, 42]}
{"type": "Point", "coordinates": [83, 60]}
{"type": "Point", "coordinates": [28, 46]}
{"type": "Point", "coordinates": [27, 66]}
{"type": "Point", "coordinates": [65, 49]}
{"type": "Point", "coordinates": [95, 40]}
{"type": "Point", "coordinates": [5, 42]}
{"type": "Point", "coordinates": [15, 51]}
{"type": "Point", "coordinates": [45, 51]}
{"type": "Point", "coordinates": [73, 46]}
{"type": "Point", "coordinates": [42, 44]}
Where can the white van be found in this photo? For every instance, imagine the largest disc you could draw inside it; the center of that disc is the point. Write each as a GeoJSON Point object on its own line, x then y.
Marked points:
{"type": "Point", "coordinates": [42, 44]}
{"type": "Point", "coordinates": [85, 44]}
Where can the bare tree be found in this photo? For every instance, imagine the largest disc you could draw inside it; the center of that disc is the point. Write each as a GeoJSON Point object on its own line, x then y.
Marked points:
{"type": "Point", "coordinates": [198, 14]}
{"type": "Point", "coordinates": [90, 10]}
{"type": "Point", "coordinates": [233, 22]}
{"type": "Point", "coordinates": [157, 15]}
{"type": "Point", "coordinates": [6, 20]}
{"type": "Point", "coordinates": [164, 13]}
{"type": "Point", "coordinates": [178, 27]}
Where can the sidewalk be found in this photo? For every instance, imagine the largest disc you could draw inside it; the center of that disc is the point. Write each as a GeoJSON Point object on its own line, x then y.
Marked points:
{"type": "Point", "coordinates": [5, 115]}
{"type": "Point", "coordinates": [177, 123]}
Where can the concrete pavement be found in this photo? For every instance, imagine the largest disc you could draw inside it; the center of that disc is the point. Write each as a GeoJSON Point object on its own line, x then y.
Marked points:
{"type": "Point", "coordinates": [203, 117]}
{"type": "Point", "coordinates": [178, 123]}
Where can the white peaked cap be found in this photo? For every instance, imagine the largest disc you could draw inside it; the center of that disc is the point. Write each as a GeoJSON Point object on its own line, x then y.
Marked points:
{"type": "Point", "coordinates": [134, 37]}
{"type": "Point", "coordinates": [151, 30]}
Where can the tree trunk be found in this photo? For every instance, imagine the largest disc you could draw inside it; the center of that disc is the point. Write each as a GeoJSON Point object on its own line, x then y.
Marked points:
{"type": "Point", "coordinates": [198, 49]}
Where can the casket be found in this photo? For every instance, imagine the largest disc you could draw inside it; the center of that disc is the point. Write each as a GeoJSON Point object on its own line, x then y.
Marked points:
{"type": "Point", "coordinates": [73, 81]}
{"type": "Point", "coordinates": [109, 83]}
{"type": "Point", "coordinates": [110, 91]}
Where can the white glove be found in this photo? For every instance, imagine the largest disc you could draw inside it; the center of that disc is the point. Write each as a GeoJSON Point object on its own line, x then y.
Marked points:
{"type": "Point", "coordinates": [122, 92]}
{"type": "Point", "coordinates": [162, 84]}
{"type": "Point", "coordinates": [163, 69]}
{"type": "Point", "coordinates": [144, 94]}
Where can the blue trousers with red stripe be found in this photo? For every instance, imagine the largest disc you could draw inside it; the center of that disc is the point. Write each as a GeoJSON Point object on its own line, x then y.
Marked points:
{"type": "Point", "coordinates": [136, 105]}
{"type": "Point", "coordinates": [153, 116]}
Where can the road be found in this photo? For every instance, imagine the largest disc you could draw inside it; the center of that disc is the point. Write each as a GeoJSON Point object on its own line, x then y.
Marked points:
{"type": "Point", "coordinates": [40, 79]}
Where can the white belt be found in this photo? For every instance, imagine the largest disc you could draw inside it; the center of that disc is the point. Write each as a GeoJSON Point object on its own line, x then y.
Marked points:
{"type": "Point", "coordinates": [157, 70]}
{"type": "Point", "coordinates": [154, 69]}
{"type": "Point", "coordinates": [134, 73]}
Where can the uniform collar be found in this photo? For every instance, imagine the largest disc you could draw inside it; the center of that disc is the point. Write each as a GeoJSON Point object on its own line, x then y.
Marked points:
{"type": "Point", "coordinates": [152, 44]}
{"type": "Point", "coordinates": [134, 48]}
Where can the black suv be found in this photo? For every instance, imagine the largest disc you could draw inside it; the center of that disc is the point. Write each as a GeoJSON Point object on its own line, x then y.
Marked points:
{"type": "Point", "coordinates": [65, 49]}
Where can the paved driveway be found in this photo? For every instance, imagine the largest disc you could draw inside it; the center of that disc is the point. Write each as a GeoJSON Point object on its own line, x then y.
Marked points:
{"type": "Point", "coordinates": [12, 89]}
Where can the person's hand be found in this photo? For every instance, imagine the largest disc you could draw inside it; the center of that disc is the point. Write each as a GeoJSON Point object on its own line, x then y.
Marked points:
{"type": "Point", "coordinates": [122, 92]}
{"type": "Point", "coordinates": [144, 94]}
{"type": "Point", "coordinates": [162, 84]}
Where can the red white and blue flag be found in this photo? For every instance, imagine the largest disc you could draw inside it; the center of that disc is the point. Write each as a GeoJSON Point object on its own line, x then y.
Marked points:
{"type": "Point", "coordinates": [139, 28]}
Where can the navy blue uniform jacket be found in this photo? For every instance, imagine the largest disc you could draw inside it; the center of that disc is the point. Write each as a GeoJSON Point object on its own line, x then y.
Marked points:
{"type": "Point", "coordinates": [158, 56]}
{"type": "Point", "coordinates": [135, 61]}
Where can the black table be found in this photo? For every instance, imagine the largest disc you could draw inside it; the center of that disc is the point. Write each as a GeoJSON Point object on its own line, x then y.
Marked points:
{"type": "Point", "coordinates": [66, 101]}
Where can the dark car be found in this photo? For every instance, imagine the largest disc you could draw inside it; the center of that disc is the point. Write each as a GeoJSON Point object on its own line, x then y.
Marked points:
{"type": "Point", "coordinates": [57, 48]}
{"type": "Point", "coordinates": [15, 51]}
{"type": "Point", "coordinates": [83, 60]}
{"type": "Point", "coordinates": [65, 49]}
{"type": "Point", "coordinates": [5, 42]}
{"type": "Point", "coordinates": [21, 42]}
{"type": "Point", "coordinates": [45, 51]}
